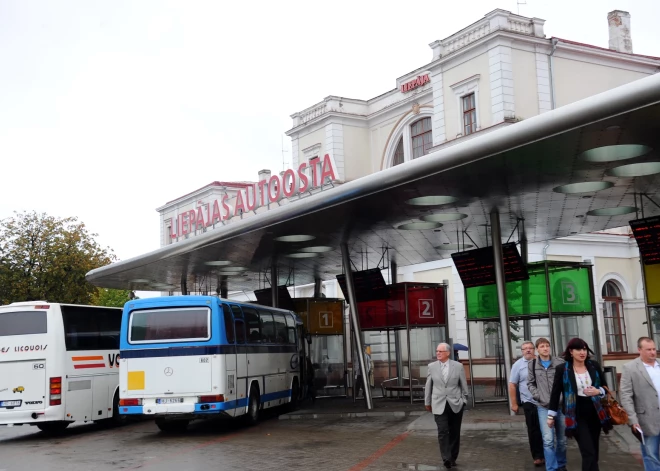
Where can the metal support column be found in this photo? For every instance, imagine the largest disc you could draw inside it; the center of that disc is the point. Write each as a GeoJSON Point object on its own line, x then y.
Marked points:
{"type": "Point", "coordinates": [224, 292]}
{"type": "Point", "coordinates": [353, 313]}
{"type": "Point", "coordinates": [318, 287]}
{"type": "Point", "coordinates": [273, 281]}
{"type": "Point", "coordinates": [405, 296]}
{"type": "Point", "coordinates": [649, 320]}
{"type": "Point", "coordinates": [496, 236]}
{"type": "Point", "coordinates": [397, 340]}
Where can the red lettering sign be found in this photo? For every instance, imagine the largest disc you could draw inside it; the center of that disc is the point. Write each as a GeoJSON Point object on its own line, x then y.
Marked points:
{"type": "Point", "coordinates": [415, 83]}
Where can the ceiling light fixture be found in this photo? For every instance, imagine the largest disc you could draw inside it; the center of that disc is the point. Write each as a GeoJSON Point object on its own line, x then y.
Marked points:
{"type": "Point", "coordinates": [418, 225]}
{"type": "Point", "coordinates": [139, 280]}
{"type": "Point", "coordinates": [218, 263]}
{"type": "Point", "coordinates": [448, 246]}
{"type": "Point", "coordinates": [432, 200]}
{"type": "Point", "coordinates": [295, 238]}
{"type": "Point", "coordinates": [583, 187]}
{"type": "Point", "coordinates": [612, 153]}
{"type": "Point", "coordinates": [635, 170]}
{"type": "Point", "coordinates": [317, 249]}
{"type": "Point", "coordinates": [617, 211]}
{"type": "Point", "coordinates": [444, 217]}
{"type": "Point", "coordinates": [302, 255]}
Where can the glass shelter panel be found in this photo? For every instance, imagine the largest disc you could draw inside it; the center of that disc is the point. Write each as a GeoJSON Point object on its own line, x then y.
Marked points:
{"type": "Point", "coordinates": [568, 327]}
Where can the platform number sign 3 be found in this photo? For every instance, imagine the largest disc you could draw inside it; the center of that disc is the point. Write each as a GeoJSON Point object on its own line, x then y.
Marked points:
{"type": "Point", "coordinates": [325, 319]}
{"type": "Point", "coordinates": [426, 310]}
{"type": "Point", "coordinates": [569, 293]}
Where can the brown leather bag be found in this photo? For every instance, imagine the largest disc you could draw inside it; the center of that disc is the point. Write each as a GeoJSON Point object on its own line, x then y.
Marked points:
{"type": "Point", "coordinates": [616, 413]}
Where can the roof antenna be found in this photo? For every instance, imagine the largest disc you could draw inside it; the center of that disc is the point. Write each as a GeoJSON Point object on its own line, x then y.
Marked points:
{"type": "Point", "coordinates": [518, 3]}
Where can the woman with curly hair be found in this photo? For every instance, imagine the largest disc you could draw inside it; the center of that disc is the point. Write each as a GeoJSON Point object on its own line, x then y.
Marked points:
{"type": "Point", "coordinates": [581, 381]}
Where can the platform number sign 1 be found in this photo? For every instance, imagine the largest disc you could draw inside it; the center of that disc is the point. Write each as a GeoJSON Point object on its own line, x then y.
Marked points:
{"type": "Point", "coordinates": [426, 310]}
{"type": "Point", "coordinates": [325, 319]}
{"type": "Point", "coordinates": [569, 294]}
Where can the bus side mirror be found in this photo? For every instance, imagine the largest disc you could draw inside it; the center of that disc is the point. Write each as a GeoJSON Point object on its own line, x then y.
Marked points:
{"type": "Point", "coordinates": [308, 337]}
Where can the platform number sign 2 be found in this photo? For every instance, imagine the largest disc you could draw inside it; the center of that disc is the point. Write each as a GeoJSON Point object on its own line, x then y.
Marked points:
{"type": "Point", "coordinates": [569, 293]}
{"type": "Point", "coordinates": [325, 319]}
{"type": "Point", "coordinates": [426, 310]}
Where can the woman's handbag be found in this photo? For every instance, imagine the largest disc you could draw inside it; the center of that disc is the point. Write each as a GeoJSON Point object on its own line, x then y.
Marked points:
{"type": "Point", "coordinates": [616, 413]}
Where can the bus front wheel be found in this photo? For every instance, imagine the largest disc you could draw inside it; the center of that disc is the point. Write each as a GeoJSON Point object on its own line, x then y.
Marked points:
{"type": "Point", "coordinates": [53, 427]}
{"type": "Point", "coordinates": [253, 406]}
{"type": "Point", "coordinates": [172, 426]}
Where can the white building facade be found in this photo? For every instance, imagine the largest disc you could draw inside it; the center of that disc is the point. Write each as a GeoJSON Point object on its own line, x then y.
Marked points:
{"type": "Point", "coordinates": [494, 73]}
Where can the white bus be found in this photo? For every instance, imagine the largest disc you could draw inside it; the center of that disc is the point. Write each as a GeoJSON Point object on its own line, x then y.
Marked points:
{"type": "Point", "coordinates": [58, 364]}
{"type": "Point", "coordinates": [190, 357]}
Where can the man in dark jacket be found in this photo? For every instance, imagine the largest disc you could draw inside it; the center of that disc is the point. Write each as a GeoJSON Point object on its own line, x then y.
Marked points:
{"type": "Point", "coordinates": [539, 382]}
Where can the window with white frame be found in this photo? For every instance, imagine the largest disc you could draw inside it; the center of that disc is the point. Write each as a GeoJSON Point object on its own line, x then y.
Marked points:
{"type": "Point", "coordinates": [422, 137]}
{"type": "Point", "coordinates": [467, 99]}
{"type": "Point", "coordinates": [615, 325]}
{"type": "Point", "coordinates": [469, 114]}
{"type": "Point", "coordinates": [413, 141]}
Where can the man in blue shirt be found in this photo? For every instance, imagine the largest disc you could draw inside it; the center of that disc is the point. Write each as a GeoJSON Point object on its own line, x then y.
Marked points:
{"type": "Point", "coordinates": [518, 380]}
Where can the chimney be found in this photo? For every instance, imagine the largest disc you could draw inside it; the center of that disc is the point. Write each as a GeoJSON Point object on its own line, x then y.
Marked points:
{"type": "Point", "coordinates": [619, 23]}
{"type": "Point", "coordinates": [264, 175]}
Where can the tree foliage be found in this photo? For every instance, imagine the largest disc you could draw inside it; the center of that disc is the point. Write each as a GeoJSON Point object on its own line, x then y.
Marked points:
{"type": "Point", "coordinates": [46, 258]}
{"type": "Point", "coordinates": [112, 297]}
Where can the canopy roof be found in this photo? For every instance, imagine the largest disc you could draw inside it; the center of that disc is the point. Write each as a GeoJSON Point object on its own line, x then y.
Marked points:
{"type": "Point", "coordinates": [513, 169]}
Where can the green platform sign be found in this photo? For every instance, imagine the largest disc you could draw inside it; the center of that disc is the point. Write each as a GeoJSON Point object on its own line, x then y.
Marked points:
{"type": "Point", "coordinates": [570, 292]}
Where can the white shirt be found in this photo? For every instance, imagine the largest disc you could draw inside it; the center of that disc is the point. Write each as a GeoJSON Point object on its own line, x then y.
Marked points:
{"type": "Point", "coordinates": [654, 373]}
{"type": "Point", "coordinates": [583, 381]}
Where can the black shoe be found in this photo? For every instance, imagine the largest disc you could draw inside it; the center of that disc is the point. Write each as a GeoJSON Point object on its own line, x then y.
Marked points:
{"type": "Point", "coordinates": [453, 463]}
{"type": "Point", "coordinates": [447, 463]}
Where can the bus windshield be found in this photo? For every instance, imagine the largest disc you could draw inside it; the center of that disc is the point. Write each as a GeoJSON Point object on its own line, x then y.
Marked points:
{"type": "Point", "coordinates": [170, 325]}
{"type": "Point", "coordinates": [23, 323]}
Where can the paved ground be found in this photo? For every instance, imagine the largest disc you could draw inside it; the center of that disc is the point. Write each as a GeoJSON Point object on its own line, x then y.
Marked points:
{"type": "Point", "coordinates": [326, 443]}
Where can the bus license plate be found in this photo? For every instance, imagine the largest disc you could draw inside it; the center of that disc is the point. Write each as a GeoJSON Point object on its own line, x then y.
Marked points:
{"type": "Point", "coordinates": [169, 400]}
{"type": "Point", "coordinates": [10, 403]}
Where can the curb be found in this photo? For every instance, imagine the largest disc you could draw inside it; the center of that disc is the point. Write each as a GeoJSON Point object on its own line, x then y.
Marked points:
{"type": "Point", "coordinates": [349, 415]}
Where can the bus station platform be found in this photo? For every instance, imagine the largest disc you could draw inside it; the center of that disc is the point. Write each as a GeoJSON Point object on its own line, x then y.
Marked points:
{"type": "Point", "coordinates": [491, 416]}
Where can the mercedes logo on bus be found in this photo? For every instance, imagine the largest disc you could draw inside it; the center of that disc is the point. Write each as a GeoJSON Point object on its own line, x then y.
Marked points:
{"type": "Point", "coordinates": [168, 371]}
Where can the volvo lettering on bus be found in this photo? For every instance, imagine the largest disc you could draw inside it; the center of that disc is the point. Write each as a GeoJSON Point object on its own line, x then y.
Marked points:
{"type": "Point", "coordinates": [58, 364]}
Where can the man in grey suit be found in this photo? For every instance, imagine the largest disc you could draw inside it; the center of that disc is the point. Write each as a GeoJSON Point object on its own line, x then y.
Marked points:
{"type": "Point", "coordinates": [446, 395]}
{"type": "Point", "coordinates": [640, 396]}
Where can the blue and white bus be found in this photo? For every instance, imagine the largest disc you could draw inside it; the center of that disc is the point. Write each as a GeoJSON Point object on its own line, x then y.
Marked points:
{"type": "Point", "coordinates": [189, 357]}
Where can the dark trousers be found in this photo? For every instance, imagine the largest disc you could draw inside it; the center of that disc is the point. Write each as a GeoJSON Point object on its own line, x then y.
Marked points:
{"type": "Point", "coordinates": [359, 385]}
{"type": "Point", "coordinates": [449, 433]}
{"type": "Point", "coordinates": [533, 430]}
{"type": "Point", "coordinates": [587, 433]}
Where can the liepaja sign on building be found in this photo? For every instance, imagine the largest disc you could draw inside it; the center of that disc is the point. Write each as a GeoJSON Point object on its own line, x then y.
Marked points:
{"type": "Point", "coordinates": [254, 196]}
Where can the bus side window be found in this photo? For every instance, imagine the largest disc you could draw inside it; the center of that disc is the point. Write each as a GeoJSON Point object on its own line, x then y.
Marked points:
{"type": "Point", "coordinates": [267, 326]}
{"type": "Point", "coordinates": [291, 328]}
{"type": "Point", "coordinates": [240, 331]}
{"type": "Point", "coordinates": [252, 325]}
{"type": "Point", "coordinates": [229, 323]}
{"type": "Point", "coordinates": [281, 335]}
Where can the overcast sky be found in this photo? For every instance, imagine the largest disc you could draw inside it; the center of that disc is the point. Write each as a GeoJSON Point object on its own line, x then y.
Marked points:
{"type": "Point", "coordinates": [109, 109]}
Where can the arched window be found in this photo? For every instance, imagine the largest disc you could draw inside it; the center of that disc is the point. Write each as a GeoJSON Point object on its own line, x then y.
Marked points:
{"type": "Point", "coordinates": [615, 326]}
{"type": "Point", "coordinates": [398, 154]}
{"type": "Point", "coordinates": [422, 138]}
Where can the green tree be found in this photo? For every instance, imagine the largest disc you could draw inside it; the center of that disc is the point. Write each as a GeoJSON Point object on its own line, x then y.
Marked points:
{"type": "Point", "coordinates": [46, 258]}
{"type": "Point", "coordinates": [112, 297]}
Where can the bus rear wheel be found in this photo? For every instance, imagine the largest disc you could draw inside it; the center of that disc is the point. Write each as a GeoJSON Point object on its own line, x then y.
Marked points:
{"type": "Point", "coordinates": [172, 426]}
{"type": "Point", "coordinates": [252, 416]}
{"type": "Point", "coordinates": [53, 428]}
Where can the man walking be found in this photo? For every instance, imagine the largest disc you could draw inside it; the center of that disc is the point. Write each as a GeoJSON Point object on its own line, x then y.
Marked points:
{"type": "Point", "coordinates": [445, 395]}
{"type": "Point", "coordinates": [359, 380]}
{"type": "Point", "coordinates": [640, 396]}
{"type": "Point", "coordinates": [519, 373]}
{"type": "Point", "coordinates": [540, 377]}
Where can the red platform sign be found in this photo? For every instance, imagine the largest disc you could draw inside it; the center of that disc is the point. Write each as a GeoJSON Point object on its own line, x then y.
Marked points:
{"type": "Point", "coordinates": [426, 307]}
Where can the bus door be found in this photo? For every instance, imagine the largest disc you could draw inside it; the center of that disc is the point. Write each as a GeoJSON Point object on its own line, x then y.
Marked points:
{"type": "Point", "coordinates": [241, 378]}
